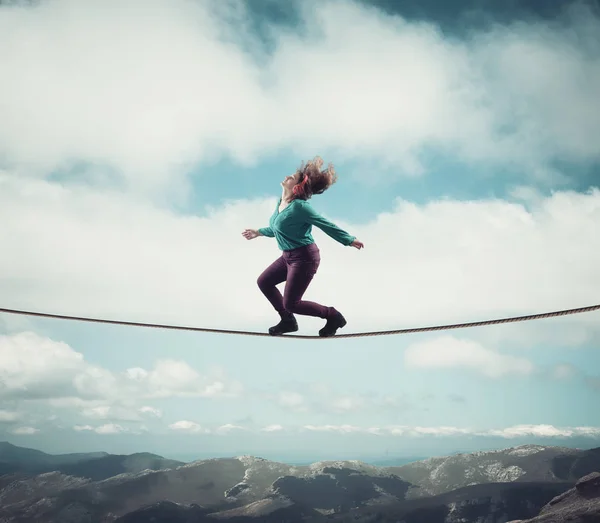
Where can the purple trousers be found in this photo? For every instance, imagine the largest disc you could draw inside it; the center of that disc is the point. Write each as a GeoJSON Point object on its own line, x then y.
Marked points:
{"type": "Point", "coordinates": [297, 268]}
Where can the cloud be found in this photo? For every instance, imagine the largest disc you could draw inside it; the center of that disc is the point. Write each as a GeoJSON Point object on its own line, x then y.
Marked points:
{"type": "Point", "coordinates": [106, 429]}
{"type": "Point", "coordinates": [272, 428]}
{"type": "Point", "coordinates": [38, 371]}
{"type": "Point", "coordinates": [120, 412]}
{"type": "Point", "coordinates": [321, 398]}
{"type": "Point", "coordinates": [171, 378]}
{"type": "Point", "coordinates": [188, 427]}
{"type": "Point", "coordinates": [81, 428]}
{"type": "Point", "coordinates": [179, 84]}
{"type": "Point", "coordinates": [24, 431]}
{"type": "Point", "coordinates": [545, 431]}
{"type": "Point", "coordinates": [548, 431]}
{"type": "Point", "coordinates": [151, 411]}
{"type": "Point", "coordinates": [228, 428]}
{"type": "Point", "coordinates": [110, 428]}
{"type": "Point", "coordinates": [110, 412]}
{"type": "Point", "coordinates": [345, 429]}
{"type": "Point", "coordinates": [465, 242]}
{"type": "Point", "coordinates": [429, 431]}
{"type": "Point", "coordinates": [36, 367]}
{"type": "Point", "coordinates": [448, 352]}
{"type": "Point", "coordinates": [390, 431]}
{"type": "Point", "coordinates": [7, 416]}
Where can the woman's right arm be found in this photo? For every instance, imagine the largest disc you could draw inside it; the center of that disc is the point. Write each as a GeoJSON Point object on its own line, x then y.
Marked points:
{"type": "Point", "coordinates": [266, 231]}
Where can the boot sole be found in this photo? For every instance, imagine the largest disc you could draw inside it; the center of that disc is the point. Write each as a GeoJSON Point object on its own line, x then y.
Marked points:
{"type": "Point", "coordinates": [282, 333]}
{"type": "Point", "coordinates": [340, 325]}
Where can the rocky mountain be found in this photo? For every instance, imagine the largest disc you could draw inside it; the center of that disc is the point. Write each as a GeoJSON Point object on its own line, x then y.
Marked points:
{"type": "Point", "coordinates": [218, 484]}
{"type": "Point", "coordinates": [115, 464]}
{"type": "Point", "coordinates": [20, 462]}
{"type": "Point", "coordinates": [484, 487]}
{"type": "Point", "coordinates": [580, 504]}
{"type": "Point", "coordinates": [18, 459]}
{"type": "Point", "coordinates": [166, 512]}
{"type": "Point", "coordinates": [526, 463]}
{"type": "Point", "coordinates": [487, 503]}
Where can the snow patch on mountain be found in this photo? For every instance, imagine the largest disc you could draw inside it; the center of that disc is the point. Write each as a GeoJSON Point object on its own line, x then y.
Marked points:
{"type": "Point", "coordinates": [496, 472]}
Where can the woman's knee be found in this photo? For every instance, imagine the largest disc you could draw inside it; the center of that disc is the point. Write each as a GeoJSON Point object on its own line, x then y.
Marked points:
{"type": "Point", "coordinates": [262, 282]}
{"type": "Point", "coordinates": [290, 305]}
{"type": "Point", "coordinates": [265, 281]}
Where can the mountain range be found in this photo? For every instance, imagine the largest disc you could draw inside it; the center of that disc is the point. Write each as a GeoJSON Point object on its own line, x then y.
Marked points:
{"type": "Point", "coordinates": [519, 483]}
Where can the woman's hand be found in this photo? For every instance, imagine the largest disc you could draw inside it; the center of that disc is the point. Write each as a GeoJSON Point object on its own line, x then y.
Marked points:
{"type": "Point", "coordinates": [358, 245]}
{"type": "Point", "coordinates": [250, 234]}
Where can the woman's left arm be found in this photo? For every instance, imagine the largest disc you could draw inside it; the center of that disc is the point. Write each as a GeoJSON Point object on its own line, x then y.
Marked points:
{"type": "Point", "coordinates": [329, 228]}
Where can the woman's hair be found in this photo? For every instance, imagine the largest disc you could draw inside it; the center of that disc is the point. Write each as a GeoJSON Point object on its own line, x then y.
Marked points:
{"type": "Point", "coordinates": [312, 179]}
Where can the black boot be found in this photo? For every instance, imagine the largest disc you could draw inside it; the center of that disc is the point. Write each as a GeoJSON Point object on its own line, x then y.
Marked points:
{"type": "Point", "coordinates": [288, 323]}
{"type": "Point", "coordinates": [334, 322]}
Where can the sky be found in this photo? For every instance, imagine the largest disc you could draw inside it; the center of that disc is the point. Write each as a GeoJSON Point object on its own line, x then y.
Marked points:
{"type": "Point", "coordinates": [138, 140]}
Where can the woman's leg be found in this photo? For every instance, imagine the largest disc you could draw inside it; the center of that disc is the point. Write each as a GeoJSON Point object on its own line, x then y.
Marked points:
{"type": "Point", "coordinates": [303, 264]}
{"type": "Point", "coordinates": [300, 274]}
{"type": "Point", "coordinates": [272, 276]}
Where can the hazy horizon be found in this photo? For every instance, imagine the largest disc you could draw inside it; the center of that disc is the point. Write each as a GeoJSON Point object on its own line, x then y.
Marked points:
{"type": "Point", "coordinates": [306, 457]}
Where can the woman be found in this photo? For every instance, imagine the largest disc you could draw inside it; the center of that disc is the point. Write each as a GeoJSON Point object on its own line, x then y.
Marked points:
{"type": "Point", "coordinates": [291, 225]}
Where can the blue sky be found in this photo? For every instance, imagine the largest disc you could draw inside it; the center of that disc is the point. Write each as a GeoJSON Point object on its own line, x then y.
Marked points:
{"type": "Point", "coordinates": [468, 161]}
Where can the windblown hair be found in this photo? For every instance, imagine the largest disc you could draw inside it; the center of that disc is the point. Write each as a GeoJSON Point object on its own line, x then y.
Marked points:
{"type": "Point", "coordinates": [313, 180]}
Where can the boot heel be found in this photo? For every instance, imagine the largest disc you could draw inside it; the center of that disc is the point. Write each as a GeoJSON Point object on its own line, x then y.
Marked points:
{"type": "Point", "coordinates": [332, 325]}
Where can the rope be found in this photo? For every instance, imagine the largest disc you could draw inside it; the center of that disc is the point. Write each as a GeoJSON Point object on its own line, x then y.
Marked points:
{"type": "Point", "coordinates": [353, 335]}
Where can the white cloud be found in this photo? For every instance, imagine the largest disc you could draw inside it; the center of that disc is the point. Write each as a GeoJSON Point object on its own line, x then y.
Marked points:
{"type": "Point", "coordinates": [449, 249]}
{"type": "Point", "coordinates": [110, 412]}
{"type": "Point", "coordinates": [36, 370]}
{"type": "Point", "coordinates": [171, 378]}
{"type": "Point", "coordinates": [7, 416]}
{"type": "Point", "coordinates": [151, 411]}
{"type": "Point", "coordinates": [448, 352]}
{"type": "Point", "coordinates": [391, 430]}
{"type": "Point", "coordinates": [396, 431]}
{"type": "Point", "coordinates": [543, 431]}
{"type": "Point", "coordinates": [110, 428]}
{"type": "Point", "coordinates": [516, 431]}
{"type": "Point", "coordinates": [189, 427]}
{"type": "Point", "coordinates": [321, 398]}
{"type": "Point", "coordinates": [440, 431]}
{"type": "Point", "coordinates": [228, 428]}
{"type": "Point", "coordinates": [36, 367]}
{"type": "Point", "coordinates": [345, 429]}
{"type": "Point", "coordinates": [24, 431]}
{"type": "Point", "coordinates": [166, 90]}
{"type": "Point", "coordinates": [82, 428]}
{"type": "Point", "coordinates": [272, 428]}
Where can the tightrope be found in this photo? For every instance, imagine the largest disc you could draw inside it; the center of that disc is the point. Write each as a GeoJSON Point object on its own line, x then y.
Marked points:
{"type": "Point", "coordinates": [307, 337]}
